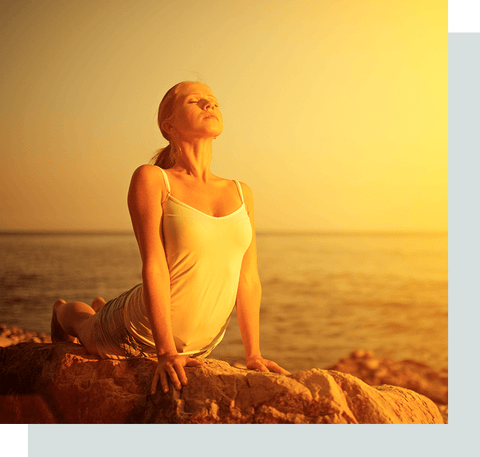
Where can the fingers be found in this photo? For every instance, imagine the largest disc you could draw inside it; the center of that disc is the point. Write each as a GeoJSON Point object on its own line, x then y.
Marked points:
{"type": "Point", "coordinates": [159, 375]}
{"type": "Point", "coordinates": [258, 366]}
{"type": "Point", "coordinates": [265, 365]}
{"type": "Point", "coordinates": [177, 376]}
{"type": "Point", "coordinates": [153, 389]}
{"type": "Point", "coordinates": [164, 381]}
{"type": "Point", "coordinates": [272, 366]}
{"type": "Point", "coordinates": [172, 368]}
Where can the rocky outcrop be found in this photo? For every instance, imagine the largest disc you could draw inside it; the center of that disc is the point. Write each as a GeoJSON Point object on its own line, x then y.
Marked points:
{"type": "Point", "coordinates": [14, 335]}
{"type": "Point", "coordinates": [410, 374]}
{"type": "Point", "coordinates": [61, 383]}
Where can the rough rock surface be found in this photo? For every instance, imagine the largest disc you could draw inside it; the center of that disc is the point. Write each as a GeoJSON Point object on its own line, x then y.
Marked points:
{"type": "Point", "coordinates": [410, 374]}
{"type": "Point", "coordinates": [61, 383]}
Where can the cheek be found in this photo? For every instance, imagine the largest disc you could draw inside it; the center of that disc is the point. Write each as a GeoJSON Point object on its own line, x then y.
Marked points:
{"type": "Point", "coordinates": [184, 118]}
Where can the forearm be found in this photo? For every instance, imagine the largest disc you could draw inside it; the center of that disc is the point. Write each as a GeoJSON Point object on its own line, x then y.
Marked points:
{"type": "Point", "coordinates": [156, 294]}
{"type": "Point", "coordinates": [248, 313]}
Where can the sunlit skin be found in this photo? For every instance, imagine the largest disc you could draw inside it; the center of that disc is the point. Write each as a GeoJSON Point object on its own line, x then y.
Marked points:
{"type": "Point", "coordinates": [196, 122]}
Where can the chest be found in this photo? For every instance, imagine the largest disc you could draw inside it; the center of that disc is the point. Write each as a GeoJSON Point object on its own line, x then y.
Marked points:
{"type": "Point", "coordinates": [216, 200]}
{"type": "Point", "coordinates": [190, 232]}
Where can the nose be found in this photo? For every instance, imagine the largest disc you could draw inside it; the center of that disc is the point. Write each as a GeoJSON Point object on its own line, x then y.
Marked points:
{"type": "Point", "coordinates": [208, 105]}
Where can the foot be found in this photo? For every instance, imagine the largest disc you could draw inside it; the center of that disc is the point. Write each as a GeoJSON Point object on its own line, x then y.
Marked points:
{"type": "Point", "coordinates": [57, 332]}
{"type": "Point", "coordinates": [97, 304]}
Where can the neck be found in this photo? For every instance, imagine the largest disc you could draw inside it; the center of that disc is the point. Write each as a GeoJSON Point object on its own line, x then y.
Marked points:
{"type": "Point", "coordinates": [194, 157]}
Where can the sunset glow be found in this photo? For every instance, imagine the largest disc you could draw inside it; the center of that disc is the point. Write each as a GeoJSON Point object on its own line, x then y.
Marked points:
{"type": "Point", "coordinates": [335, 112]}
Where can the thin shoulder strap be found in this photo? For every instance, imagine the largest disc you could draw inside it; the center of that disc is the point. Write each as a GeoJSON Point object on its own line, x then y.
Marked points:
{"type": "Point", "coordinates": [167, 182]}
{"type": "Point", "coordinates": [239, 187]}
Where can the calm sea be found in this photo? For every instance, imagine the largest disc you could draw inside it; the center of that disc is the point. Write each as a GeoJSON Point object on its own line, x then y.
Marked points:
{"type": "Point", "coordinates": [324, 295]}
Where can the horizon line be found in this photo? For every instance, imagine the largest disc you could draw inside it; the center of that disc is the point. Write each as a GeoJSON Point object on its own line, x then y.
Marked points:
{"type": "Point", "coordinates": [259, 232]}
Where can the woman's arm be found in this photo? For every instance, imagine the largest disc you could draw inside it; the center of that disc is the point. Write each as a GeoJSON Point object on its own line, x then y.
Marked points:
{"type": "Point", "coordinates": [145, 196]}
{"type": "Point", "coordinates": [248, 300]}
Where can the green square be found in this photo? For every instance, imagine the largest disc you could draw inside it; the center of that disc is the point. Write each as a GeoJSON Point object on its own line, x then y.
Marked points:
{"type": "Point", "coordinates": [464, 15]}
{"type": "Point", "coordinates": [13, 440]}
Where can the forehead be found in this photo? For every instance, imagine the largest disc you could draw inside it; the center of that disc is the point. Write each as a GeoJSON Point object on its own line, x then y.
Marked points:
{"type": "Point", "coordinates": [195, 88]}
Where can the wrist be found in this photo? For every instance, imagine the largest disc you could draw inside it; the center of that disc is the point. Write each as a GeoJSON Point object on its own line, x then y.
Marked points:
{"type": "Point", "coordinates": [255, 355]}
{"type": "Point", "coordinates": [167, 352]}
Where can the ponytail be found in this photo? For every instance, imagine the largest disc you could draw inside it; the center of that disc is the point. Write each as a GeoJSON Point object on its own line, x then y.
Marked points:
{"type": "Point", "coordinates": [164, 157]}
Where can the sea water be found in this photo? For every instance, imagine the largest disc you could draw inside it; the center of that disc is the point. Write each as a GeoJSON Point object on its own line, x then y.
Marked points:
{"type": "Point", "coordinates": [324, 294]}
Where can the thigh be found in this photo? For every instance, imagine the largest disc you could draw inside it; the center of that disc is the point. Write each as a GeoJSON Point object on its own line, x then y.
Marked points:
{"type": "Point", "coordinates": [112, 339]}
{"type": "Point", "coordinates": [86, 335]}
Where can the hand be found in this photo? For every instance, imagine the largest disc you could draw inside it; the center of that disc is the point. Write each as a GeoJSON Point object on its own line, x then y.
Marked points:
{"type": "Point", "coordinates": [261, 364]}
{"type": "Point", "coordinates": [172, 365]}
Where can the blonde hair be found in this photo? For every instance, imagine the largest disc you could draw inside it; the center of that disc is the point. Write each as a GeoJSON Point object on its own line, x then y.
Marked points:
{"type": "Point", "coordinates": [166, 157]}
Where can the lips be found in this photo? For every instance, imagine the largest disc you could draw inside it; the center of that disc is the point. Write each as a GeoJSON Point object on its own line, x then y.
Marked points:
{"type": "Point", "coordinates": [211, 116]}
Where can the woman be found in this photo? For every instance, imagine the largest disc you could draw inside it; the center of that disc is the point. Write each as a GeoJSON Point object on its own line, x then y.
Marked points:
{"type": "Point", "coordinates": [196, 236]}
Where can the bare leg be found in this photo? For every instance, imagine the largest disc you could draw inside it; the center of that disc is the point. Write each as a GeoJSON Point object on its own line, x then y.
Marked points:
{"type": "Point", "coordinates": [76, 319]}
{"type": "Point", "coordinates": [98, 304]}
{"type": "Point", "coordinates": [57, 332]}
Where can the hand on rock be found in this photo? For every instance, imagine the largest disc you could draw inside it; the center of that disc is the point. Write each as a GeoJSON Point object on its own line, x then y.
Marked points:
{"type": "Point", "coordinates": [261, 364]}
{"type": "Point", "coordinates": [171, 366]}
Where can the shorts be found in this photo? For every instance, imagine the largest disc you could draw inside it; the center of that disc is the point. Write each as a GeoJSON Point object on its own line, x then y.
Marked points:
{"type": "Point", "coordinates": [113, 339]}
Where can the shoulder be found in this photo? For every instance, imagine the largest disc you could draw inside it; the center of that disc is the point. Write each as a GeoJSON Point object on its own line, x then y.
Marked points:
{"type": "Point", "coordinates": [147, 171]}
{"type": "Point", "coordinates": [148, 178]}
{"type": "Point", "coordinates": [149, 174]}
{"type": "Point", "coordinates": [247, 196]}
{"type": "Point", "coordinates": [247, 192]}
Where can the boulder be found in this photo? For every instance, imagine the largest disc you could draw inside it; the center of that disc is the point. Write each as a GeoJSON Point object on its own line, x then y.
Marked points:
{"type": "Point", "coordinates": [61, 383]}
{"type": "Point", "coordinates": [410, 374]}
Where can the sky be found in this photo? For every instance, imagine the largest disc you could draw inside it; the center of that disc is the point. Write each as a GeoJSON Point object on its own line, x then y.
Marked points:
{"type": "Point", "coordinates": [335, 111]}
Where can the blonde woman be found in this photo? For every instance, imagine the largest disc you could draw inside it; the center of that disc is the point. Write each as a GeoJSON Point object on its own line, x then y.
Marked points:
{"type": "Point", "coordinates": [196, 236]}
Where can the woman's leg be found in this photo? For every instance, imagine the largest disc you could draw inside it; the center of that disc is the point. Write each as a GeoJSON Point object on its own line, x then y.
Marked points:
{"type": "Point", "coordinates": [76, 319]}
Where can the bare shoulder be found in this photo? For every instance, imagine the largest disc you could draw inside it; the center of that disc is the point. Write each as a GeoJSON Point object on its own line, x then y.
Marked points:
{"type": "Point", "coordinates": [147, 171]}
{"type": "Point", "coordinates": [148, 175]}
{"type": "Point", "coordinates": [247, 192]}
{"type": "Point", "coordinates": [248, 197]}
{"type": "Point", "coordinates": [148, 178]}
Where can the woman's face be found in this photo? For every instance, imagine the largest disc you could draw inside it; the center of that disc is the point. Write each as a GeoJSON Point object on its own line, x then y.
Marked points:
{"type": "Point", "coordinates": [196, 113]}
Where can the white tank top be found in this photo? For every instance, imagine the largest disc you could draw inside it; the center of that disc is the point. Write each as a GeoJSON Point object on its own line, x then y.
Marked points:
{"type": "Point", "coordinates": [204, 255]}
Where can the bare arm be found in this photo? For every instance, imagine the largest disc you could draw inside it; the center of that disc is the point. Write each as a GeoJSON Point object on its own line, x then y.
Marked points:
{"type": "Point", "coordinates": [146, 193]}
{"type": "Point", "coordinates": [248, 300]}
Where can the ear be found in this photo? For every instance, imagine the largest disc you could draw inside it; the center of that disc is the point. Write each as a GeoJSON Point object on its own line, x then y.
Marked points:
{"type": "Point", "coordinates": [168, 127]}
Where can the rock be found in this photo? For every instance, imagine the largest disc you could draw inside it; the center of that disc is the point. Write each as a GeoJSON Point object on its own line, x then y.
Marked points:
{"type": "Point", "coordinates": [16, 330]}
{"type": "Point", "coordinates": [410, 374]}
{"type": "Point", "coordinates": [14, 339]}
{"type": "Point", "coordinates": [4, 341]}
{"type": "Point", "coordinates": [15, 335]}
{"type": "Point", "coordinates": [61, 383]}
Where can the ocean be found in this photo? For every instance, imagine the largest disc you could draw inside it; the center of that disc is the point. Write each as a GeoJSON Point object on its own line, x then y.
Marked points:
{"type": "Point", "coordinates": [324, 294]}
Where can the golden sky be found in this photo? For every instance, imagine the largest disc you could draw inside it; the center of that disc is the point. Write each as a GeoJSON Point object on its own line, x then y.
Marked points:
{"type": "Point", "coordinates": [335, 111]}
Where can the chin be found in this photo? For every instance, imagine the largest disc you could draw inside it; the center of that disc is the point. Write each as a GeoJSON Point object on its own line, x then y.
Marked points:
{"type": "Point", "coordinates": [215, 133]}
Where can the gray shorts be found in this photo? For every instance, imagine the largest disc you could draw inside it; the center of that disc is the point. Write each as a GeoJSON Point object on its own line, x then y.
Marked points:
{"type": "Point", "coordinates": [113, 339]}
